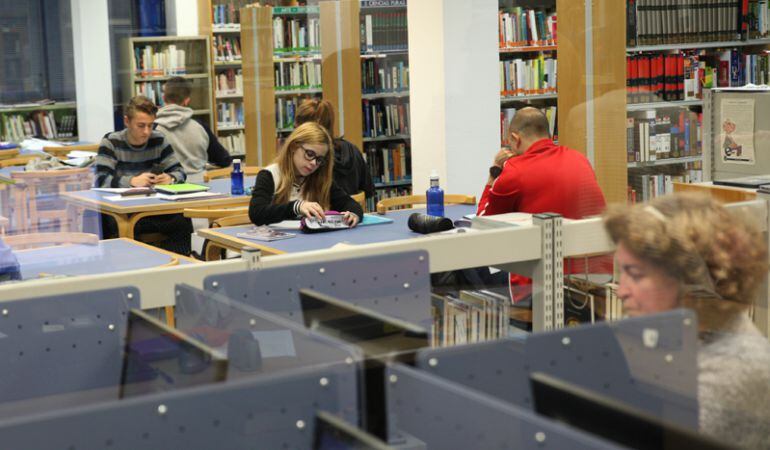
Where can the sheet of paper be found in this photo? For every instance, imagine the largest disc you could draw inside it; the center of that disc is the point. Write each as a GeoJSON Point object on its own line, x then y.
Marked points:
{"type": "Point", "coordinates": [113, 190]}
{"type": "Point", "coordinates": [286, 225]}
{"type": "Point", "coordinates": [81, 154]}
{"type": "Point", "coordinates": [737, 131]}
{"type": "Point", "coordinates": [120, 198]}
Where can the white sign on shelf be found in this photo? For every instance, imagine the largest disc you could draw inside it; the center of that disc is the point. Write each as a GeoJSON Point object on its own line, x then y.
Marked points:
{"type": "Point", "coordinates": [736, 137]}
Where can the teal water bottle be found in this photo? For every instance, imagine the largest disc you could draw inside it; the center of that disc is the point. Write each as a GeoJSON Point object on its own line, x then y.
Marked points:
{"type": "Point", "coordinates": [435, 196]}
{"type": "Point", "coordinates": [236, 178]}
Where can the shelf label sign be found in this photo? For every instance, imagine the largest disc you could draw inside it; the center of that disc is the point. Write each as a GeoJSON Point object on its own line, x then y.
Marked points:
{"type": "Point", "coordinates": [736, 134]}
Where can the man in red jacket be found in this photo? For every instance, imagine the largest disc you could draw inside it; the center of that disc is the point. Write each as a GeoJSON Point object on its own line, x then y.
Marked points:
{"type": "Point", "coordinates": [538, 176]}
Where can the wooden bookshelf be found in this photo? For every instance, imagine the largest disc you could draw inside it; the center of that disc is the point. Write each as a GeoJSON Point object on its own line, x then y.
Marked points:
{"type": "Point", "coordinates": [149, 81]}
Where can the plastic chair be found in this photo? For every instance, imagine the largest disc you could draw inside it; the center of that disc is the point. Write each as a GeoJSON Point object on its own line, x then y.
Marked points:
{"type": "Point", "coordinates": [211, 251]}
{"type": "Point", "coordinates": [360, 198]}
{"type": "Point", "coordinates": [409, 200]}
{"type": "Point", "coordinates": [225, 172]}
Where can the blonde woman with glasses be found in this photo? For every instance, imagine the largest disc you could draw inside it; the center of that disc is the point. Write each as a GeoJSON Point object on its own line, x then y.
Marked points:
{"type": "Point", "coordinates": [299, 183]}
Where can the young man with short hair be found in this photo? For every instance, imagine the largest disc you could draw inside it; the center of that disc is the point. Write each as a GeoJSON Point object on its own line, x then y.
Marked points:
{"type": "Point", "coordinates": [193, 142]}
{"type": "Point", "coordinates": [139, 156]}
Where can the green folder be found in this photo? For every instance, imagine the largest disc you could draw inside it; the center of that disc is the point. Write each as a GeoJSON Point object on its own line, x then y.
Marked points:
{"type": "Point", "coordinates": [181, 188]}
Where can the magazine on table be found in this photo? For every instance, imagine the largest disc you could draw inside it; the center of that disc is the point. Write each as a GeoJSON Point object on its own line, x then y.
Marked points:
{"type": "Point", "coordinates": [265, 233]}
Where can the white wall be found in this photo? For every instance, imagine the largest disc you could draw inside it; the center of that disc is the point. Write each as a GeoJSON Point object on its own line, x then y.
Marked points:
{"type": "Point", "coordinates": [93, 68]}
{"type": "Point", "coordinates": [182, 17]}
{"type": "Point", "coordinates": [454, 92]}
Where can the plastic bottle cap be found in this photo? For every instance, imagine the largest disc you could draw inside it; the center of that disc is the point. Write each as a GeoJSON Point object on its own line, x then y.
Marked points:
{"type": "Point", "coordinates": [434, 174]}
{"type": "Point", "coordinates": [236, 161]}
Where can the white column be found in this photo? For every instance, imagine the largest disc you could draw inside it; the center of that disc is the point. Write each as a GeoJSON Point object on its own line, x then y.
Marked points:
{"type": "Point", "coordinates": [182, 17]}
{"type": "Point", "coordinates": [454, 92]}
{"type": "Point", "coordinates": [93, 68]}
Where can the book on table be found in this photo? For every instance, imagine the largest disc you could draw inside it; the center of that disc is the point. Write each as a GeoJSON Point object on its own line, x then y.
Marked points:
{"type": "Point", "coordinates": [180, 188]}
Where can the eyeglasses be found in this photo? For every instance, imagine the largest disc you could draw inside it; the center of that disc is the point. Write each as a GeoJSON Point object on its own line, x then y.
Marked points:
{"type": "Point", "coordinates": [310, 155]}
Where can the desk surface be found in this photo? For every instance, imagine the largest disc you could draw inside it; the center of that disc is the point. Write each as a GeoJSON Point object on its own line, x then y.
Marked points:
{"type": "Point", "coordinates": [98, 200]}
{"type": "Point", "coordinates": [108, 256]}
{"type": "Point", "coordinates": [396, 230]}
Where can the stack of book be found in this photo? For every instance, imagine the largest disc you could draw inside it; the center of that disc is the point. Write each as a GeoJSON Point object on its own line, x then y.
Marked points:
{"type": "Point", "coordinates": [165, 61]}
{"type": "Point", "coordinates": [388, 163]}
{"type": "Point", "coordinates": [296, 34]}
{"type": "Point", "coordinates": [520, 27]}
{"type": "Point", "coordinates": [384, 31]}
{"type": "Point", "coordinates": [380, 75]}
{"type": "Point", "coordinates": [663, 133]}
{"type": "Point", "coordinates": [227, 48]}
{"type": "Point", "coordinates": [655, 22]}
{"type": "Point", "coordinates": [528, 76]}
{"type": "Point", "coordinates": [230, 82]}
{"type": "Point", "coordinates": [388, 119]}
{"type": "Point", "coordinates": [298, 75]}
{"type": "Point", "coordinates": [472, 316]}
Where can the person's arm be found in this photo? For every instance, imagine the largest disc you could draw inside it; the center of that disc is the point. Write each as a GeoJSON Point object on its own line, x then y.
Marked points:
{"type": "Point", "coordinates": [262, 211]}
{"type": "Point", "coordinates": [105, 164]}
{"type": "Point", "coordinates": [501, 196]}
{"type": "Point", "coordinates": [217, 153]}
{"type": "Point", "coordinates": [340, 201]}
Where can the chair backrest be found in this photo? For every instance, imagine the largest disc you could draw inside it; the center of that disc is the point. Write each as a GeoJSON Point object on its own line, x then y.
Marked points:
{"type": "Point", "coordinates": [34, 187]}
{"type": "Point", "coordinates": [21, 241]}
{"type": "Point", "coordinates": [19, 161]}
{"type": "Point", "coordinates": [9, 153]}
{"type": "Point", "coordinates": [213, 174]}
{"type": "Point", "coordinates": [409, 200]}
{"type": "Point", "coordinates": [214, 214]}
{"type": "Point", "coordinates": [230, 221]}
{"type": "Point", "coordinates": [64, 150]}
{"type": "Point", "coordinates": [360, 198]}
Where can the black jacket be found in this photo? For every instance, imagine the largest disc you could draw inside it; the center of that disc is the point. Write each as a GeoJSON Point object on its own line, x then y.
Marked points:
{"type": "Point", "coordinates": [217, 153]}
{"type": "Point", "coordinates": [262, 211]}
{"type": "Point", "coordinates": [350, 170]}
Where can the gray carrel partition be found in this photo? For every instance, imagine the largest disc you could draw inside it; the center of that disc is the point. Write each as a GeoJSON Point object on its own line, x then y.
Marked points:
{"type": "Point", "coordinates": [270, 412]}
{"type": "Point", "coordinates": [444, 415]}
{"type": "Point", "coordinates": [62, 350]}
{"type": "Point", "coordinates": [255, 342]}
{"type": "Point", "coordinates": [648, 362]}
{"type": "Point", "coordinates": [397, 285]}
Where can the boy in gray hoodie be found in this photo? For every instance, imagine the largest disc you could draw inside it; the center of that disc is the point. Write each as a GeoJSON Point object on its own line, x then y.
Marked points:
{"type": "Point", "coordinates": [194, 143]}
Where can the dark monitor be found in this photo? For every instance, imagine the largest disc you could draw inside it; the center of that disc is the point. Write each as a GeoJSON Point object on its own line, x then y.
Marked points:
{"type": "Point", "coordinates": [333, 433]}
{"type": "Point", "coordinates": [752, 182]}
{"type": "Point", "coordinates": [159, 358]}
{"type": "Point", "coordinates": [608, 418]}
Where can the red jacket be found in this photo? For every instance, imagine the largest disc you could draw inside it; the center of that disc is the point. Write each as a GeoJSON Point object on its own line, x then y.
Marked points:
{"type": "Point", "coordinates": [547, 178]}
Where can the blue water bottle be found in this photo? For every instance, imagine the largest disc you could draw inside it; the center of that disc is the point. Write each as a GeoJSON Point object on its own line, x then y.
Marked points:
{"type": "Point", "coordinates": [435, 196]}
{"type": "Point", "coordinates": [236, 178]}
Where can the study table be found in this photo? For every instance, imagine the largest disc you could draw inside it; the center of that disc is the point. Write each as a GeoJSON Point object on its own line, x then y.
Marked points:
{"type": "Point", "coordinates": [227, 237]}
{"type": "Point", "coordinates": [127, 212]}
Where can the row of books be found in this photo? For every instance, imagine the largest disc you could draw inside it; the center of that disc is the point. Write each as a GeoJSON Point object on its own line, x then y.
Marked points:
{"type": "Point", "coordinates": [587, 301]}
{"type": "Point", "coordinates": [380, 75]}
{"type": "Point", "coordinates": [388, 163]}
{"type": "Point", "coordinates": [230, 82]}
{"type": "Point", "coordinates": [385, 119]}
{"type": "Point", "coordinates": [235, 143]}
{"type": "Point", "coordinates": [528, 76]}
{"type": "Point", "coordinates": [652, 22]}
{"type": "Point", "coordinates": [296, 34]}
{"type": "Point", "coordinates": [380, 194]}
{"type": "Point", "coordinates": [152, 90]}
{"type": "Point", "coordinates": [662, 134]}
{"type": "Point", "coordinates": [384, 31]}
{"type": "Point", "coordinates": [227, 13]}
{"type": "Point", "coordinates": [17, 127]}
{"type": "Point", "coordinates": [297, 75]}
{"type": "Point", "coordinates": [227, 48]}
{"type": "Point", "coordinates": [646, 186]}
{"type": "Point", "coordinates": [471, 316]}
{"type": "Point", "coordinates": [150, 61]}
{"type": "Point", "coordinates": [285, 111]}
{"type": "Point", "coordinates": [756, 69]}
{"type": "Point", "coordinates": [519, 27]}
{"type": "Point", "coordinates": [759, 17]}
{"type": "Point", "coordinates": [230, 114]}
{"type": "Point", "coordinates": [507, 114]}
{"type": "Point", "coordinates": [660, 77]}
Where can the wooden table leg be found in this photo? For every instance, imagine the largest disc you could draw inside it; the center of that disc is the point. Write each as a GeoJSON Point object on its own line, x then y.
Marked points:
{"type": "Point", "coordinates": [170, 320]}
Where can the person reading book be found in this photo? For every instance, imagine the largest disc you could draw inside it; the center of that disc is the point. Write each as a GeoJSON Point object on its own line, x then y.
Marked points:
{"type": "Point", "coordinates": [689, 251]}
{"type": "Point", "coordinates": [139, 156]}
{"type": "Point", "coordinates": [194, 143]}
{"type": "Point", "coordinates": [299, 183]}
{"type": "Point", "coordinates": [350, 170]}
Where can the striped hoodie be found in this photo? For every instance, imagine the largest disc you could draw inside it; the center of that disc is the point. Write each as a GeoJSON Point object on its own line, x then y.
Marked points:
{"type": "Point", "coordinates": [118, 161]}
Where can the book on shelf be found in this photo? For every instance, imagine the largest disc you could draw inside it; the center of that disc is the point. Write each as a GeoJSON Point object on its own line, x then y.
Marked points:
{"type": "Point", "coordinates": [235, 143]}
{"type": "Point", "coordinates": [470, 316]}
{"type": "Point", "coordinates": [42, 124]}
{"type": "Point", "coordinates": [382, 75]}
{"type": "Point", "coordinates": [521, 27]}
{"type": "Point", "coordinates": [532, 76]}
{"type": "Point", "coordinates": [663, 134]}
{"type": "Point", "coordinates": [648, 183]}
{"type": "Point", "coordinates": [155, 60]}
{"type": "Point", "coordinates": [296, 34]}
{"type": "Point", "coordinates": [298, 75]}
{"type": "Point", "coordinates": [227, 48]}
{"type": "Point", "coordinates": [227, 13]}
{"type": "Point", "coordinates": [230, 82]}
{"type": "Point", "coordinates": [230, 114]}
{"type": "Point", "coordinates": [588, 301]}
{"type": "Point", "coordinates": [387, 192]}
{"type": "Point", "coordinates": [388, 163]}
{"type": "Point", "coordinates": [385, 119]}
{"type": "Point", "coordinates": [758, 18]}
{"type": "Point", "coordinates": [383, 31]}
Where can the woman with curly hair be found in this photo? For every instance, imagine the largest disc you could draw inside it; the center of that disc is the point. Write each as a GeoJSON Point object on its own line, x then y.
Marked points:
{"type": "Point", "coordinates": [689, 251]}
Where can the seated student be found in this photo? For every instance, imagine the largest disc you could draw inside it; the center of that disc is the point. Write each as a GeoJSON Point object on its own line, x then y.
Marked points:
{"type": "Point", "coordinates": [299, 183]}
{"type": "Point", "coordinates": [138, 156]}
{"type": "Point", "coordinates": [350, 170]}
{"type": "Point", "coordinates": [689, 251]}
{"type": "Point", "coordinates": [193, 142]}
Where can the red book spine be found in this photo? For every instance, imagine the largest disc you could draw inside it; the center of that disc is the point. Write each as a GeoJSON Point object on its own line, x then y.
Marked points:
{"type": "Point", "coordinates": [634, 79]}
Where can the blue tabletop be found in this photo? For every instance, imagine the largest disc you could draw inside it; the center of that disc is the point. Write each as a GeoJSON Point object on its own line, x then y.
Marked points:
{"type": "Point", "coordinates": [396, 230]}
{"type": "Point", "coordinates": [109, 256]}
